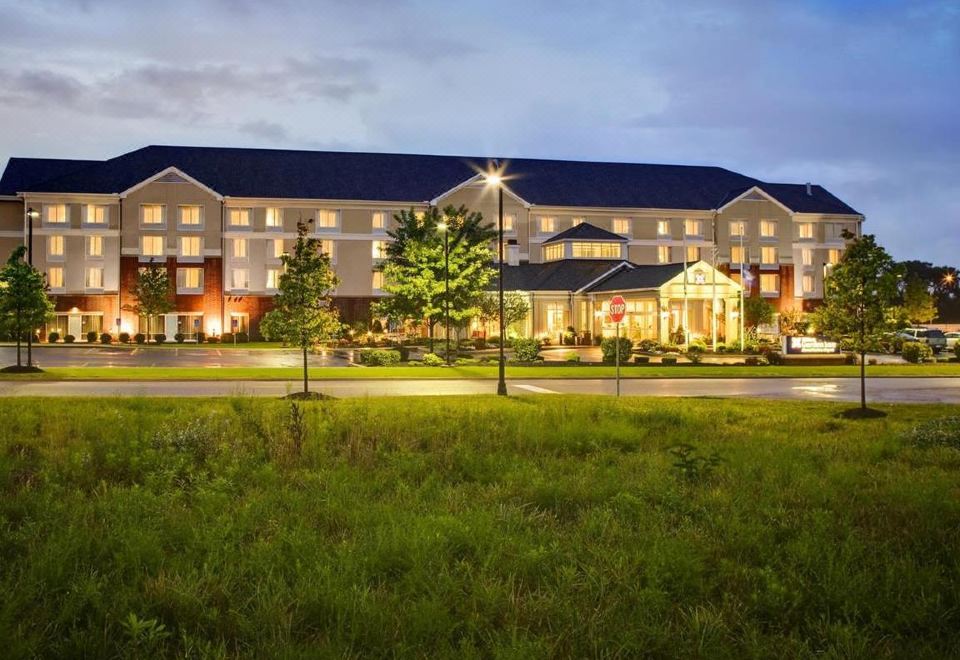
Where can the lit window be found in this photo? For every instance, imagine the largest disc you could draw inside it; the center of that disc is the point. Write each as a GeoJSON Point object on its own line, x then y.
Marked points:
{"type": "Point", "coordinates": [547, 224]}
{"type": "Point", "coordinates": [96, 215]}
{"type": "Point", "coordinates": [509, 222]}
{"type": "Point", "coordinates": [576, 221]}
{"type": "Point", "coordinates": [94, 277]}
{"type": "Point", "coordinates": [693, 253]}
{"type": "Point", "coordinates": [328, 219]}
{"type": "Point", "coordinates": [240, 278]}
{"type": "Point", "coordinates": [379, 249]}
{"type": "Point", "coordinates": [151, 214]}
{"type": "Point", "coordinates": [738, 254]}
{"type": "Point", "coordinates": [94, 246]}
{"type": "Point", "coordinates": [274, 217]}
{"type": "Point", "coordinates": [833, 256]}
{"type": "Point", "coordinates": [808, 283]}
{"type": "Point", "coordinates": [663, 227]}
{"type": "Point", "coordinates": [55, 277]}
{"type": "Point", "coordinates": [663, 254]}
{"type": "Point", "coordinates": [189, 246]}
{"type": "Point", "coordinates": [273, 278]}
{"type": "Point", "coordinates": [55, 246]}
{"type": "Point", "coordinates": [553, 252]}
{"type": "Point", "coordinates": [693, 227]}
{"type": "Point", "coordinates": [806, 257]}
{"type": "Point", "coordinates": [239, 217]}
{"type": "Point", "coordinates": [151, 246]}
{"type": "Point", "coordinates": [738, 228]}
{"type": "Point", "coordinates": [190, 216]}
{"type": "Point", "coordinates": [189, 278]}
{"type": "Point", "coordinates": [239, 248]}
{"type": "Point", "coordinates": [621, 225]}
{"type": "Point", "coordinates": [326, 247]}
{"type": "Point", "coordinates": [805, 230]}
{"type": "Point", "coordinates": [768, 229]}
{"type": "Point", "coordinates": [275, 245]}
{"type": "Point", "coordinates": [768, 255]}
{"type": "Point", "coordinates": [595, 250]}
{"type": "Point", "coordinates": [55, 213]}
{"type": "Point", "coordinates": [769, 283]}
{"type": "Point", "coordinates": [379, 222]}
{"type": "Point", "coordinates": [377, 280]}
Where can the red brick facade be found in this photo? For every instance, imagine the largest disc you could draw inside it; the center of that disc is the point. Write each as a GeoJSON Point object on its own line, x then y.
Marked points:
{"type": "Point", "coordinates": [207, 303]}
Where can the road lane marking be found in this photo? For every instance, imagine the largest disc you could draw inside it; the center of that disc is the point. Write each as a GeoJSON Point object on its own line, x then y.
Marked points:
{"type": "Point", "coordinates": [535, 389]}
{"type": "Point", "coordinates": [826, 390]}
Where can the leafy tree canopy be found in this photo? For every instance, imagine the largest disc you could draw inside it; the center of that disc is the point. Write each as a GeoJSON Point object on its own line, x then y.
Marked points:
{"type": "Point", "coordinates": [24, 303]}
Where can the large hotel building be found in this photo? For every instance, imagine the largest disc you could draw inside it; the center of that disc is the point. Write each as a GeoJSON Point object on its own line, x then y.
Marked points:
{"type": "Point", "coordinates": [677, 242]}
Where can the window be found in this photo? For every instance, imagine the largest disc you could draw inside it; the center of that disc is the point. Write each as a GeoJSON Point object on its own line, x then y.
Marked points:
{"type": "Point", "coordinates": [275, 248]}
{"type": "Point", "coordinates": [693, 227]}
{"type": "Point", "coordinates": [769, 283]}
{"type": "Point", "coordinates": [808, 283]}
{"type": "Point", "coordinates": [663, 254]}
{"type": "Point", "coordinates": [379, 249]}
{"type": "Point", "coordinates": [768, 255]}
{"type": "Point", "coordinates": [55, 277]}
{"type": "Point", "coordinates": [55, 246]}
{"type": "Point", "coordinates": [510, 222]}
{"type": "Point", "coordinates": [240, 278]}
{"type": "Point", "coordinates": [693, 253]}
{"type": "Point", "coordinates": [274, 218]}
{"type": "Point", "coordinates": [596, 250]}
{"type": "Point", "coordinates": [189, 278]}
{"type": "Point", "coordinates": [239, 217]}
{"type": "Point", "coordinates": [738, 254]}
{"type": "Point", "coordinates": [621, 225]}
{"type": "Point", "coordinates": [55, 214]}
{"type": "Point", "coordinates": [239, 248]}
{"type": "Point", "coordinates": [833, 231]}
{"type": "Point", "coordinates": [273, 278]}
{"type": "Point", "coordinates": [663, 227]}
{"type": "Point", "coordinates": [805, 230]}
{"type": "Point", "coordinates": [377, 280]}
{"type": "Point", "coordinates": [151, 246]}
{"type": "Point", "coordinates": [547, 224]}
{"type": "Point", "coordinates": [806, 257]}
{"type": "Point", "coordinates": [96, 215]}
{"type": "Point", "coordinates": [327, 219]}
{"type": "Point", "coordinates": [190, 246]}
{"type": "Point", "coordinates": [190, 216]}
{"type": "Point", "coordinates": [379, 222]}
{"type": "Point", "coordinates": [151, 214]}
{"type": "Point", "coordinates": [738, 228]}
{"type": "Point", "coordinates": [95, 246]}
{"type": "Point", "coordinates": [768, 229]}
{"type": "Point", "coordinates": [94, 277]}
{"type": "Point", "coordinates": [833, 256]}
{"type": "Point", "coordinates": [553, 252]}
{"type": "Point", "coordinates": [576, 221]}
{"type": "Point", "coordinates": [327, 248]}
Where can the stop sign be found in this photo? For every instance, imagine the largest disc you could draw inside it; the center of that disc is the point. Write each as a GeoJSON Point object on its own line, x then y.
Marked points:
{"type": "Point", "coordinates": [618, 307]}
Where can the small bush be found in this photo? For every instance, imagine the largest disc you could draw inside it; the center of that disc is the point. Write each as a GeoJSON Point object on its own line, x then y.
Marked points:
{"type": "Point", "coordinates": [669, 360]}
{"type": "Point", "coordinates": [526, 350]}
{"type": "Point", "coordinates": [943, 432]}
{"type": "Point", "coordinates": [641, 359]}
{"type": "Point", "coordinates": [140, 338]}
{"type": "Point", "coordinates": [572, 356]}
{"type": "Point", "coordinates": [375, 357]}
{"type": "Point", "coordinates": [916, 352]}
{"type": "Point", "coordinates": [752, 361]}
{"type": "Point", "coordinates": [872, 362]}
{"type": "Point", "coordinates": [691, 467]}
{"type": "Point", "coordinates": [69, 339]}
{"type": "Point", "coordinates": [648, 345]}
{"type": "Point", "coordinates": [432, 360]}
{"type": "Point", "coordinates": [160, 338]}
{"type": "Point", "coordinates": [608, 347]}
{"type": "Point", "coordinates": [201, 337]}
{"type": "Point", "coordinates": [956, 349]}
{"type": "Point", "coordinates": [479, 343]}
{"type": "Point", "coordinates": [597, 340]}
{"type": "Point", "coordinates": [775, 357]}
{"type": "Point", "coordinates": [226, 338]}
{"type": "Point", "coordinates": [721, 348]}
{"type": "Point", "coordinates": [53, 337]}
{"type": "Point", "coordinates": [850, 359]}
{"type": "Point", "coordinates": [669, 348]}
{"type": "Point", "coordinates": [92, 337]}
{"type": "Point", "coordinates": [213, 340]}
{"type": "Point", "coordinates": [695, 352]}
{"type": "Point", "coordinates": [493, 341]}
{"type": "Point", "coordinates": [179, 337]}
{"type": "Point", "coordinates": [124, 337]}
{"type": "Point", "coordinates": [242, 337]}
{"type": "Point", "coordinates": [106, 338]}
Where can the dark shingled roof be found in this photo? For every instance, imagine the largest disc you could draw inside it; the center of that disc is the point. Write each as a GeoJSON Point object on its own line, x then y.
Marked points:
{"type": "Point", "coordinates": [275, 173]}
{"type": "Point", "coordinates": [560, 275]}
{"type": "Point", "coordinates": [640, 277]}
{"type": "Point", "coordinates": [794, 196]}
{"type": "Point", "coordinates": [587, 232]}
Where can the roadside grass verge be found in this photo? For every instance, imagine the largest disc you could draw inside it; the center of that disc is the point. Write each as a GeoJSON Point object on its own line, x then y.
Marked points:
{"type": "Point", "coordinates": [474, 527]}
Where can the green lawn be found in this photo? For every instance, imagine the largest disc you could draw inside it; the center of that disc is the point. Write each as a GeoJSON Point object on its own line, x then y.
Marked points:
{"type": "Point", "coordinates": [485, 372]}
{"type": "Point", "coordinates": [473, 527]}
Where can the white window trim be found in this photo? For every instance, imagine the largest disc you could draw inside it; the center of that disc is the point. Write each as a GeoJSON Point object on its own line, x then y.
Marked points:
{"type": "Point", "coordinates": [629, 222]}
{"type": "Point", "coordinates": [325, 230]}
{"type": "Point", "coordinates": [770, 265]}
{"type": "Point", "coordinates": [233, 280]}
{"type": "Point", "coordinates": [272, 228]}
{"type": "Point", "coordinates": [233, 227]}
{"type": "Point", "coordinates": [333, 250]}
{"type": "Point", "coordinates": [86, 272]}
{"type": "Point", "coordinates": [669, 231]}
{"type": "Point", "coordinates": [269, 255]}
{"type": "Point", "coordinates": [86, 247]}
{"type": "Point", "coordinates": [85, 216]}
{"type": "Point", "coordinates": [776, 230]}
{"type": "Point", "coordinates": [57, 258]}
{"type": "Point", "coordinates": [513, 230]}
{"type": "Point", "coordinates": [546, 232]}
{"type": "Point", "coordinates": [266, 285]}
{"type": "Point", "coordinates": [233, 252]}
{"type": "Point", "coordinates": [150, 257]}
{"type": "Point", "coordinates": [154, 226]}
{"type": "Point", "coordinates": [63, 279]}
{"type": "Point", "coordinates": [190, 290]}
{"type": "Point", "coordinates": [768, 293]}
{"type": "Point", "coordinates": [386, 222]}
{"type": "Point", "coordinates": [189, 258]}
{"type": "Point", "coordinates": [185, 227]}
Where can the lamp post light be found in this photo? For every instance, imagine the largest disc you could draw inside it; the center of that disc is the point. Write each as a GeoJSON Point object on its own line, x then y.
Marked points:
{"type": "Point", "coordinates": [443, 228]}
{"type": "Point", "coordinates": [31, 215]}
{"type": "Point", "coordinates": [494, 179]}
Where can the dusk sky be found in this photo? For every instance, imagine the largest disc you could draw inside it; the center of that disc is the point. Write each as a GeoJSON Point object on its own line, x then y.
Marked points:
{"type": "Point", "coordinates": [862, 97]}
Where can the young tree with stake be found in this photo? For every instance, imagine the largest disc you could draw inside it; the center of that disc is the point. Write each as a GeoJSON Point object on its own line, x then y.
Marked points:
{"type": "Point", "coordinates": [24, 304]}
{"type": "Point", "coordinates": [153, 293]}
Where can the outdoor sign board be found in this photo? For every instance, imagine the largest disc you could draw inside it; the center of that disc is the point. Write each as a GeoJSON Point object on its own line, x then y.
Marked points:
{"type": "Point", "coordinates": [809, 346]}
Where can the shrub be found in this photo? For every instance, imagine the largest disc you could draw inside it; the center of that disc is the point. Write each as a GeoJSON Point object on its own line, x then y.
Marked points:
{"type": "Point", "coordinates": [242, 337]}
{"type": "Point", "coordinates": [668, 360]}
{"type": "Point", "coordinates": [92, 337]}
{"type": "Point", "coordinates": [404, 352]}
{"type": "Point", "coordinates": [608, 347]}
{"type": "Point", "coordinates": [692, 467]}
{"type": "Point", "coordinates": [872, 361]}
{"type": "Point", "coordinates": [124, 337]}
{"type": "Point", "coordinates": [942, 432]}
{"type": "Point", "coordinates": [160, 338]}
{"type": "Point", "coordinates": [105, 338]}
{"type": "Point", "coordinates": [179, 337]}
{"type": "Point", "coordinates": [526, 350]}
{"type": "Point", "coordinates": [213, 340]}
{"type": "Point", "coordinates": [140, 338]}
{"type": "Point", "coordinates": [479, 343]}
{"type": "Point", "coordinates": [493, 340]}
{"type": "Point", "coordinates": [695, 352]}
{"type": "Point", "coordinates": [956, 349]}
{"type": "Point", "coordinates": [226, 338]}
{"type": "Point", "coordinates": [376, 327]}
{"type": "Point", "coordinates": [376, 357]}
{"type": "Point", "coordinates": [669, 348]}
{"type": "Point", "coordinates": [721, 348]}
{"type": "Point", "coordinates": [642, 359]}
{"type": "Point", "coordinates": [851, 359]}
{"type": "Point", "coordinates": [432, 360]}
{"type": "Point", "coordinates": [916, 352]}
{"type": "Point", "coordinates": [53, 337]}
{"type": "Point", "coordinates": [569, 336]}
{"type": "Point", "coordinates": [774, 357]}
{"type": "Point", "coordinates": [69, 339]}
{"type": "Point", "coordinates": [752, 361]}
{"type": "Point", "coordinates": [572, 356]}
{"type": "Point", "coordinates": [201, 337]}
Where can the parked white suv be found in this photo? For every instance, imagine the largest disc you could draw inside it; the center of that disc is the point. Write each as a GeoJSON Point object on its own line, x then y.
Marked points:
{"type": "Point", "coordinates": [952, 339]}
{"type": "Point", "coordinates": [932, 337]}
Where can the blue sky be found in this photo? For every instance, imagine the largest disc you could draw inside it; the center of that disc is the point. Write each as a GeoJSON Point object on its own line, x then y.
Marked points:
{"type": "Point", "coordinates": [862, 97]}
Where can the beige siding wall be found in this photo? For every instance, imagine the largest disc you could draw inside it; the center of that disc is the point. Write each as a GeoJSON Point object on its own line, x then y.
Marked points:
{"type": "Point", "coordinates": [171, 196]}
{"type": "Point", "coordinates": [11, 227]}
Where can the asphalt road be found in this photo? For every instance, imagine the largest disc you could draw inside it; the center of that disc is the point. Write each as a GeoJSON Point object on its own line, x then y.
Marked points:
{"type": "Point", "coordinates": [879, 390]}
{"type": "Point", "coordinates": [131, 356]}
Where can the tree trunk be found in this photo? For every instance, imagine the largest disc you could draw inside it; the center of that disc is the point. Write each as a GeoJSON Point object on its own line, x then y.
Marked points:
{"type": "Point", "coordinates": [305, 385]}
{"type": "Point", "coordinates": [19, 327]}
{"type": "Point", "coordinates": [29, 349]}
{"type": "Point", "coordinates": [863, 380]}
{"type": "Point", "coordinates": [430, 333]}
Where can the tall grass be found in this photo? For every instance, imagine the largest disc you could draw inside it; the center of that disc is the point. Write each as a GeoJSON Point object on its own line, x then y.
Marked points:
{"type": "Point", "coordinates": [473, 527]}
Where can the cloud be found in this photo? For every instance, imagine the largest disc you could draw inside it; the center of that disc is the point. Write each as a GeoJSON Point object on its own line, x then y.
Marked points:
{"type": "Point", "coordinates": [266, 130]}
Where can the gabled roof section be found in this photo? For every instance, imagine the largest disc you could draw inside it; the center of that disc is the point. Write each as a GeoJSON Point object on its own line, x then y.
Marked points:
{"type": "Point", "coordinates": [172, 175]}
{"type": "Point", "coordinates": [561, 275]}
{"type": "Point", "coordinates": [585, 232]}
{"type": "Point", "coordinates": [639, 277]}
{"type": "Point", "coordinates": [22, 173]}
{"type": "Point", "coordinates": [792, 197]}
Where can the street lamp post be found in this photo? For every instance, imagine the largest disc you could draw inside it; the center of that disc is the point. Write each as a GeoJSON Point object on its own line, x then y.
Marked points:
{"type": "Point", "coordinates": [31, 214]}
{"type": "Point", "coordinates": [446, 285]}
{"type": "Point", "coordinates": [495, 180]}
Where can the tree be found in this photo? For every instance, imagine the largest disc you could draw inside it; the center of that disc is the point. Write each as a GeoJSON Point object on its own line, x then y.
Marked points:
{"type": "Point", "coordinates": [24, 304]}
{"type": "Point", "coordinates": [860, 296]}
{"type": "Point", "coordinates": [153, 293]}
{"type": "Point", "coordinates": [302, 314]}
{"type": "Point", "coordinates": [414, 273]}
{"type": "Point", "coordinates": [943, 283]}
{"type": "Point", "coordinates": [918, 303]}
{"type": "Point", "coordinates": [793, 322]}
{"type": "Point", "coordinates": [515, 309]}
{"type": "Point", "coordinates": [757, 311]}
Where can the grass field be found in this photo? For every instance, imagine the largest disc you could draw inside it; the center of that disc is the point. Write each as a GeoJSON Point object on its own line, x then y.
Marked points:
{"type": "Point", "coordinates": [484, 372]}
{"type": "Point", "coordinates": [474, 527]}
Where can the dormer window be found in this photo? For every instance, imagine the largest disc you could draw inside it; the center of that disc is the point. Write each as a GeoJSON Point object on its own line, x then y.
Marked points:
{"type": "Point", "coordinates": [553, 252]}
{"type": "Point", "coordinates": [595, 250]}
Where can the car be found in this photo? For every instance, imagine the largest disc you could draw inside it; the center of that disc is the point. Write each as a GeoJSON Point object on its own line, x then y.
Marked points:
{"type": "Point", "coordinates": [932, 337]}
{"type": "Point", "coordinates": [953, 338]}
